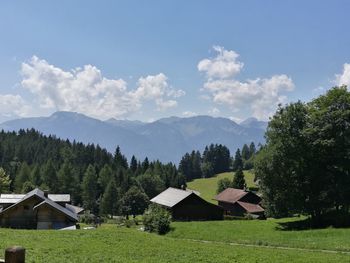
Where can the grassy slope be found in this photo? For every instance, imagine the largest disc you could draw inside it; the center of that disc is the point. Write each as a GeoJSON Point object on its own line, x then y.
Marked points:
{"type": "Point", "coordinates": [264, 232]}
{"type": "Point", "coordinates": [112, 244]}
{"type": "Point", "coordinates": [207, 186]}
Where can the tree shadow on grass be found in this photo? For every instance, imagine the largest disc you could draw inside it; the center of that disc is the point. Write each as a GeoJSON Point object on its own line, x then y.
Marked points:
{"type": "Point", "coordinates": [334, 220]}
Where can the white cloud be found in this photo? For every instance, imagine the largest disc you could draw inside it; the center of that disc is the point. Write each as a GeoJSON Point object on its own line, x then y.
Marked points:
{"type": "Point", "coordinates": [344, 78]}
{"type": "Point", "coordinates": [214, 111]}
{"type": "Point", "coordinates": [157, 88]}
{"type": "Point", "coordinates": [85, 90]}
{"type": "Point", "coordinates": [13, 106]}
{"type": "Point", "coordinates": [189, 114]}
{"type": "Point", "coordinates": [224, 65]}
{"type": "Point", "coordinates": [260, 95]}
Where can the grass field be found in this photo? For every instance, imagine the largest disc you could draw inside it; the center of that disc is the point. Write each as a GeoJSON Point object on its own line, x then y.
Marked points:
{"type": "Point", "coordinates": [112, 244]}
{"type": "Point", "coordinates": [207, 186]}
{"type": "Point", "coordinates": [264, 232]}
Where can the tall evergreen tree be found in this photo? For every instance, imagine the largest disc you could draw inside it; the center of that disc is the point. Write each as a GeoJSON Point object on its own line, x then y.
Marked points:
{"type": "Point", "coordinates": [252, 148]}
{"type": "Point", "coordinates": [89, 189]}
{"type": "Point", "coordinates": [104, 177]}
{"type": "Point", "coordinates": [110, 199]}
{"type": "Point", "coordinates": [5, 181]}
{"type": "Point", "coordinates": [238, 180]}
{"type": "Point", "coordinates": [22, 177]}
{"type": "Point", "coordinates": [35, 176]}
{"type": "Point", "coordinates": [245, 152]}
{"type": "Point", "coordinates": [133, 164]}
{"type": "Point", "coordinates": [49, 176]}
{"type": "Point", "coordinates": [238, 162]}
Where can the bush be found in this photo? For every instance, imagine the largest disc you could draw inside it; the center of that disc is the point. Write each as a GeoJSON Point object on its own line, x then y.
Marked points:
{"type": "Point", "coordinates": [157, 219]}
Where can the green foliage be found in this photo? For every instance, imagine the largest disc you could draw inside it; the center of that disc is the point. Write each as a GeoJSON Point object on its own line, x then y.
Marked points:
{"type": "Point", "coordinates": [104, 177]}
{"type": "Point", "coordinates": [157, 219]}
{"type": "Point", "coordinates": [238, 162]}
{"type": "Point", "coordinates": [110, 199]}
{"type": "Point", "coordinates": [151, 184]}
{"type": "Point", "coordinates": [304, 167]}
{"type": "Point", "coordinates": [27, 187]}
{"type": "Point", "coordinates": [223, 184]}
{"type": "Point", "coordinates": [49, 176]}
{"type": "Point", "coordinates": [89, 188]}
{"type": "Point", "coordinates": [134, 202]}
{"type": "Point", "coordinates": [22, 177]}
{"type": "Point", "coordinates": [238, 180]}
{"type": "Point", "coordinates": [5, 181]}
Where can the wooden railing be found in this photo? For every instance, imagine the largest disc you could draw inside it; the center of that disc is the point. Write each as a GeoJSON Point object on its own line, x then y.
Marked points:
{"type": "Point", "coordinates": [14, 254]}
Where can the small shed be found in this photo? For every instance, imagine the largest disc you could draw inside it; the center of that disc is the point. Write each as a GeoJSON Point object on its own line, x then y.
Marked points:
{"type": "Point", "coordinates": [238, 202]}
{"type": "Point", "coordinates": [187, 205]}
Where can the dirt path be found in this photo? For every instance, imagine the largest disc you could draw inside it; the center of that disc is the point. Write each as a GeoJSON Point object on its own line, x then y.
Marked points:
{"type": "Point", "coordinates": [268, 247]}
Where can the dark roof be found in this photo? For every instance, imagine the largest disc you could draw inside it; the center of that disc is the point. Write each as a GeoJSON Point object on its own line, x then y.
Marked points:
{"type": "Point", "coordinates": [171, 197]}
{"type": "Point", "coordinates": [40, 194]}
{"type": "Point", "coordinates": [251, 208]}
{"type": "Point", "coordinates": [230, 195]}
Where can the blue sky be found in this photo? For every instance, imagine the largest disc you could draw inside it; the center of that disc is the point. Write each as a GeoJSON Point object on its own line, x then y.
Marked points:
{"type": "Point", "coordinates": [151, 59]}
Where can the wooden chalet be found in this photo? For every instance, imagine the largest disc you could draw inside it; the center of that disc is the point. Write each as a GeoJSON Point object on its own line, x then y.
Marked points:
{"type": "Point", "coordinates": [38, 210]}
{"type": "Point", "coordinates": [238, 202]}
{"type": "Point", "coordinates": [187, 205]}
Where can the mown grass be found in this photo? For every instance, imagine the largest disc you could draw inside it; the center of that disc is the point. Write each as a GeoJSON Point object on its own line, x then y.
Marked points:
{"type": "Point", "coordinates": [112, 244]}
{"type": "Point", "coordinates": [207, 186]}
{"type": "Point", "coordinates": [265, 232]}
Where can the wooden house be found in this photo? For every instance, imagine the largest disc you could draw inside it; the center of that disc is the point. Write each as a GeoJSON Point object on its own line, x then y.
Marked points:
{"type": "Point", "coordinates": [38, 210]}
{"type": "Point", "coordinates": [187, 205]}
{"type": "Point", "coordinates": [237, 202]}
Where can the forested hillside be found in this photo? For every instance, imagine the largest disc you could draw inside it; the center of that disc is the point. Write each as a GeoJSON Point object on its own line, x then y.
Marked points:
{"type": "Point", "coordinates": [93, 177]}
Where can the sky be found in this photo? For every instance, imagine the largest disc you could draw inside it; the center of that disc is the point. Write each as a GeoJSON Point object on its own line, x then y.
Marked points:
{"type": "Point", "coordinates": [145, 60]}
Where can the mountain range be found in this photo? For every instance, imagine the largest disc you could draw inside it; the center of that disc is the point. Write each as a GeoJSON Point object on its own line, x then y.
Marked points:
{"type": "Point", "coordinates": [166, 139]}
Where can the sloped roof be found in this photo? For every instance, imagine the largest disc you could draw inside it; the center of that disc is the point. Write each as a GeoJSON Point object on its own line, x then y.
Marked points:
{"type": "Point", "coordinates": [40, 194]}
{"type": "Point", "coordinates": [171, 196]}
{"type": "Point", "coordinates": [75, 209]}
{"type": "Point", "coordinates": [57, 207]}
{"type": "Point", "coordinates": [14, 198]}
{"type": "Point", "coordinates": [251, 208]}
{"type": "Point", "coordinates": [230, 195]}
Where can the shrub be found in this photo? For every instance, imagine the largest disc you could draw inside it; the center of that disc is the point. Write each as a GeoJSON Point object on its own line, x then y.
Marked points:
{"type": "Point", "coordinates": [157, 219]}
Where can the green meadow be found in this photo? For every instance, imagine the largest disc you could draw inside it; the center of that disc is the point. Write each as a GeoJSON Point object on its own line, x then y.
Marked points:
{"type": "Point", "coordinates": [119, 244]}
{"type": "Point", "coordinates": [207, 186]}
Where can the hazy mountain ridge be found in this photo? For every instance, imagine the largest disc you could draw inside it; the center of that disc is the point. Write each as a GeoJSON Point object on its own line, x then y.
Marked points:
{"type": "Point", "coordinates": [166, 139]}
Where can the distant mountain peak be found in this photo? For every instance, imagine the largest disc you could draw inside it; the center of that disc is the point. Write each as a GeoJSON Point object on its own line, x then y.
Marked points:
{"type": "Point", "coordinates": [253, 122]}
{"type": "Point", "coordinates": [166, 139]}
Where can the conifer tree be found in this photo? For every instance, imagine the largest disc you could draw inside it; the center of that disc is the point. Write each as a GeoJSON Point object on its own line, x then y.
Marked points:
{"type": "Point", "coordinates": [89, 189]}
{"type": "Point", "coordinates": [22, 177]}
{"type": "Point", "coordinates": [238, 180]}
{"type": "Point", "coordinates": [237, 163]}
{"type": "Point", "coordinates": [5, 181]}
{"type": "Point", "coordinates": [110, 199]}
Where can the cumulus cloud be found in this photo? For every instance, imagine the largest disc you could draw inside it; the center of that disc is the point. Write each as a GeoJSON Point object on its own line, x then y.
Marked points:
{"type": "Point", "coordinates": [13, 106]}
{"type": "Point", "coordinates": [344, 78]}
{"type": "Point", "coordinates": [224, 65]}
{"type": "Point", "coordinates": [85, 90]}
{"type": "Point", "coordinates": [260, 95]}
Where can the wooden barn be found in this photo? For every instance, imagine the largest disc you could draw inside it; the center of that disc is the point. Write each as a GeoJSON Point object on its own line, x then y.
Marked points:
{"type": "Point", "coordinates": [237, 202]}
{"type": "Point", "coordinates": [38, 210]}
{"type": "Point", "coordinates": [187, 205]}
